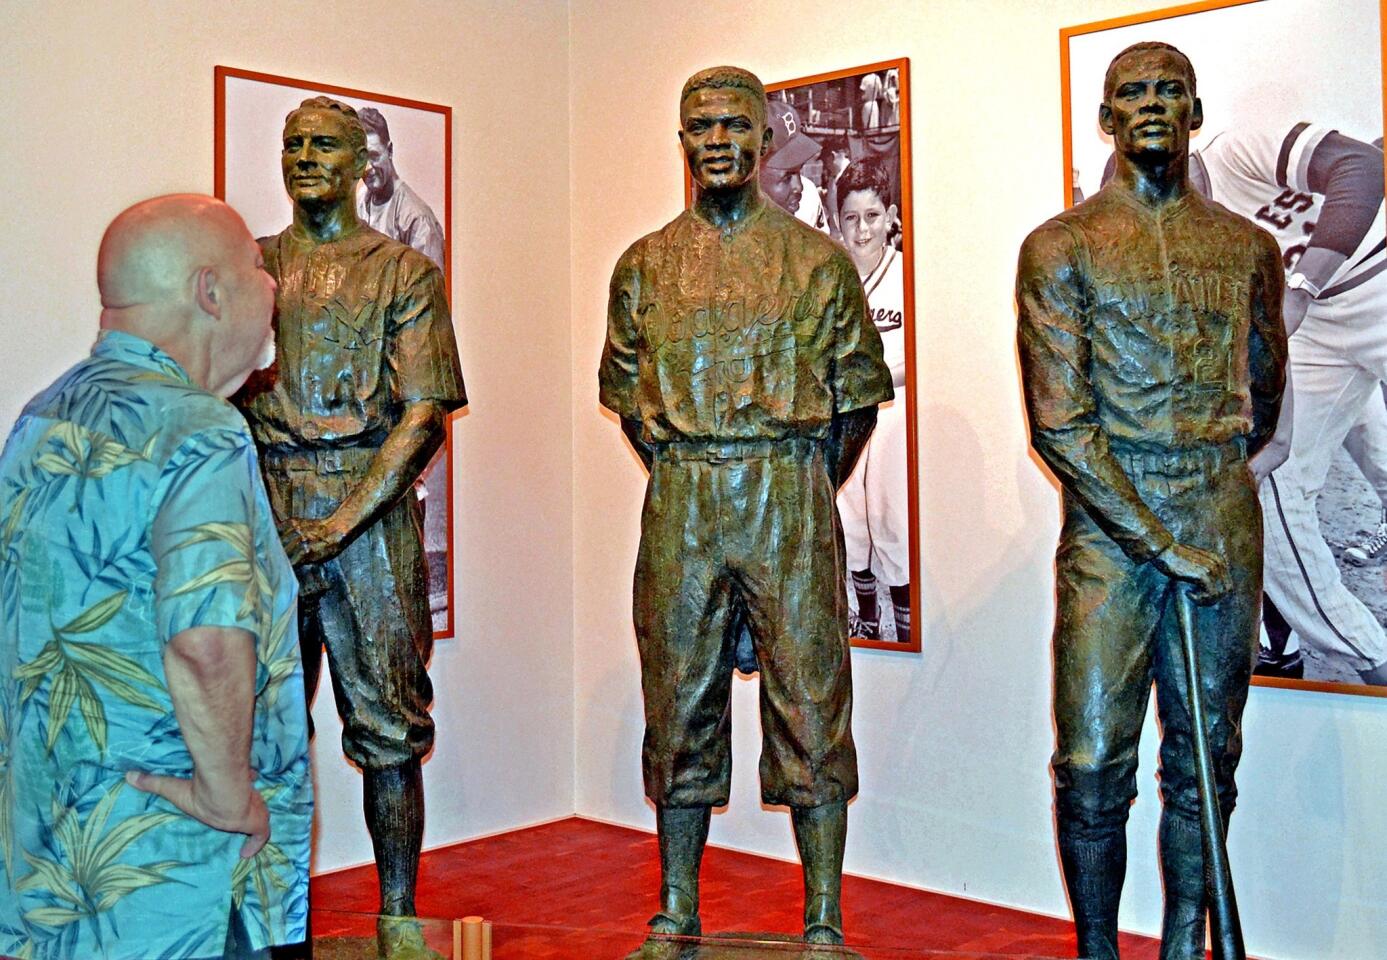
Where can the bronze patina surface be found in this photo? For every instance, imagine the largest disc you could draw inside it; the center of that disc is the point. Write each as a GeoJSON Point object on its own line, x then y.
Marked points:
{"type": "Point", "coordinates": [1153, 360]}
{"type": "Point", "coordinates": [746, 372]}
{"type": "Point", "coordinates": [346, 421]}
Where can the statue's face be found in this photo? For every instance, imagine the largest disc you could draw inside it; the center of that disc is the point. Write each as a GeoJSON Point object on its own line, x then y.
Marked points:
{"type": "Point", "coordinates": [723, 131]}
{"type": "Point", "coordinates": [1152, 108]}
{"type": "Point", "coordinates": [320, 166]}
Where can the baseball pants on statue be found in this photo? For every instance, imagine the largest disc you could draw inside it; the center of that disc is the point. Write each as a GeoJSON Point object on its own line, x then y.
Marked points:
{"type": "Point", "coordinates": [743, 533]}
{"type": "Point", "coordinates": [368, 606]}
{"type": "Point", "coordinates": [1116, 631]}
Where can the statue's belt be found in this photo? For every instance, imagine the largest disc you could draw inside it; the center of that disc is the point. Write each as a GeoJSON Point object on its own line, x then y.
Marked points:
{"type": "Point", "coordinates": [319, 460]}
{"type": "Point", "coordinates": [1180, 461]}
{"type": "Point", "coordinates": [729, 451]}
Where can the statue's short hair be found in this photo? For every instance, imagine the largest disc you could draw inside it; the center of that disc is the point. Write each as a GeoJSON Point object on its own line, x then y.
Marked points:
{"type": "Point", "coordinates": [356, 133]}
{"type": "Point", "coordinates": [866, 174]}
{"type": "Point", "coordinates": [374, 122]}
{"type": "Point", "coordinates": [1108, 77]}
{"type": "Point", "coordinates": [715, 78]}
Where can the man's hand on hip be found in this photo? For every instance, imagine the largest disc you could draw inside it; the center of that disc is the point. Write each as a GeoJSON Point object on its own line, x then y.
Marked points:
{"type": "Point", "coordinates": [233, 807]}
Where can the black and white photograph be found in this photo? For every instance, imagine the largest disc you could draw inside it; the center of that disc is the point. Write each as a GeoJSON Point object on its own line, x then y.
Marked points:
{"type": "Point", "coordinates": [839, 161]}
{"type": "Point", "coordinates": [405, 194]}
{"type": "Point", "coordinates": [1293, 141]}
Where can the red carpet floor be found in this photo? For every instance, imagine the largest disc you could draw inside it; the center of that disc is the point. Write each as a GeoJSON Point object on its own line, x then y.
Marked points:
{"type": "Point", "coordinates": [581, 874]}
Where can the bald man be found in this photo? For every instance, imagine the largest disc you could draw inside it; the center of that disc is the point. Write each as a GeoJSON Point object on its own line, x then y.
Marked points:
{"type": "Point", "coordinates": [157, 802]}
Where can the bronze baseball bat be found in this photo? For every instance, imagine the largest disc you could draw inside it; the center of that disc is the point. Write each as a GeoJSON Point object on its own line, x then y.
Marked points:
{"type": "Point", "coordinates": [1218, 878]}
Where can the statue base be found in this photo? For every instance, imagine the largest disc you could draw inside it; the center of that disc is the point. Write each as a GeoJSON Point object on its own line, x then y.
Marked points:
{"type": "Point", "coordinates": [755, 946]}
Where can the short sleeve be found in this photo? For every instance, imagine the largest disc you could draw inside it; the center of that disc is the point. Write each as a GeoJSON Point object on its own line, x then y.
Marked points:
{"type": "Point", "coordinates": [861, 377]}
{"type": "Point", "coordinates": [423, 353]}
{"type": "Point", "coordinates": [209, 572]}
{"type": "Point", "coordinates": [619, 373]}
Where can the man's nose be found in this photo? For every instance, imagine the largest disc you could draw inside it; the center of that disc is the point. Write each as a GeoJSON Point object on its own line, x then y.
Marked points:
{"type": "Point", "coordinates": [1151, 103]}
{"type": "Point", "coordinates": [304, 158]}
{"type": "Point", "coordinates": [720, 134]}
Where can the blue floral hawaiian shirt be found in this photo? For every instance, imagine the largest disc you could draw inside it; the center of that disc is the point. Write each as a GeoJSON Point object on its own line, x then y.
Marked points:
{"type": "Point", "coordinates": [131, 508]}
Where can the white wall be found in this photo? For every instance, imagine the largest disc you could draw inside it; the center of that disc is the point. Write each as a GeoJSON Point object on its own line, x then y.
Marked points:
{"type": "Point", "coordinates": [108, 103]}
{"type": "Point", "coordinates": [954, 745]}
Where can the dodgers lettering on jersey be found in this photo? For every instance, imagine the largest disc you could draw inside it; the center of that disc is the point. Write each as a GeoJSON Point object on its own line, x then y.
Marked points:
{"type": "Point", "coordinates": [1264, 174]}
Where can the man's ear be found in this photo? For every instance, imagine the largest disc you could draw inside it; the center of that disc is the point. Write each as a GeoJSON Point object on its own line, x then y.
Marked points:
{"type": "Point", "coordinates": [766, 137]}
{"type": "Point", "coordinates": [1105, 118]}
{"type": "Point", "coordinates": [207, 293]}
{"type": "Point", "coordinates": [359, 168]}
{"type": "Point", "coordinates": [1197, 116]}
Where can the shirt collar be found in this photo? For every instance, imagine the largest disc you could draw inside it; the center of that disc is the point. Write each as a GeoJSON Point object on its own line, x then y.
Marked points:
{"type": "Point", "coordinates": [138, 352]}
{"type": "Point", "coordinates": [735, 227]}
{"type": "Point", "coordinates": [1166, 211]}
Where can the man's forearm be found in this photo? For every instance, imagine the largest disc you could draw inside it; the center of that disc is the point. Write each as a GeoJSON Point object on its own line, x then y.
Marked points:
{"type": "Point", "coordinates": [211, 680]}
{"type": "Point", "coordinates": [403, 456]}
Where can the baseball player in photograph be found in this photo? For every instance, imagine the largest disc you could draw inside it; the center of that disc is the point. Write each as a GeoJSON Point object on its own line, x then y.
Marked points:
{"type": "Point", "coordinates": [1320, 194]}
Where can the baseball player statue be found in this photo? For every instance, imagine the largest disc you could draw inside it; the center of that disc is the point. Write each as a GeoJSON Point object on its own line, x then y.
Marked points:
{"type": "Point", "coordinates": [746, 372]}
{"type": "Point", "coordinates": [1153, 360]}
{"type": "Point", "coordinates": [357, 404]}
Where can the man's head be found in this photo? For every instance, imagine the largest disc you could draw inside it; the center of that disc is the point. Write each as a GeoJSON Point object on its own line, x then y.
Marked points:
{"type": "Point", "coordinates": [380, 152]}
{"type": "Point", "coordinates": [1149, 104]}
{"type": "Point", "coordinates": [183, 272]}
{"type": "Point", "coordinates": [722, 127]}
{"type": "Point", "coordinates": [790, 149]}
{"type": "Point", "coordinates": [865, 212]}
{"type": "Point", "coordinates": [324, 153]}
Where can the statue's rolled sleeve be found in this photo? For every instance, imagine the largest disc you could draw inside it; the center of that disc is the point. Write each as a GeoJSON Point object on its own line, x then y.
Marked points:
{"type": "Point", "coordinates": [861, 377]}
{"type": "Point", "coordinates": [423, 354]}
{"type": "Point", "coordinates": [619, 373]}
{"type": "Point", "coordinates": [1060, 404]}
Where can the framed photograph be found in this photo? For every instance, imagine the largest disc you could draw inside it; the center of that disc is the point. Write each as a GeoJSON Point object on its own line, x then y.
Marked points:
{"type": "Point", "coordinates": [1292, 92]}
{"type": "Point", "coordinates": [406, 194]}
{"type": "Point", "coordinates": [840, 162]}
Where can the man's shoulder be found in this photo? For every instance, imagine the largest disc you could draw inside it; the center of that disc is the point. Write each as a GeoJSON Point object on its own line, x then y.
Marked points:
{"type": "Point", "coordinates": [144, 409]}
{"type": "Point", "coordinates": [188, 415]}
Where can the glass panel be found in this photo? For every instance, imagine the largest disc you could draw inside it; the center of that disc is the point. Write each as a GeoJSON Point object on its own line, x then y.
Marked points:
{"type": "Point", "coordinates": [344, 935]}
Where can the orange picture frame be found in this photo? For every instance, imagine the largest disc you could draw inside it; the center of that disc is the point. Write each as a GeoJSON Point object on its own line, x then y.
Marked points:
{"type": "Point", "coordinates": [233, 90]}
{"type": "Point", "coordinates": [901, 67]}
{"type": "Point", "coordinates": [1067, 36]}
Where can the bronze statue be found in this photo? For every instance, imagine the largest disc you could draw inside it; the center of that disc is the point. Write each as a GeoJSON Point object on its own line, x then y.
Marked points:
{"type": "Point", "coordinates": [356, 405]}
{"type": "Point", "coordinates": [746, 371]}
{"type": "Point", "coordinates": [1153, 358]}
